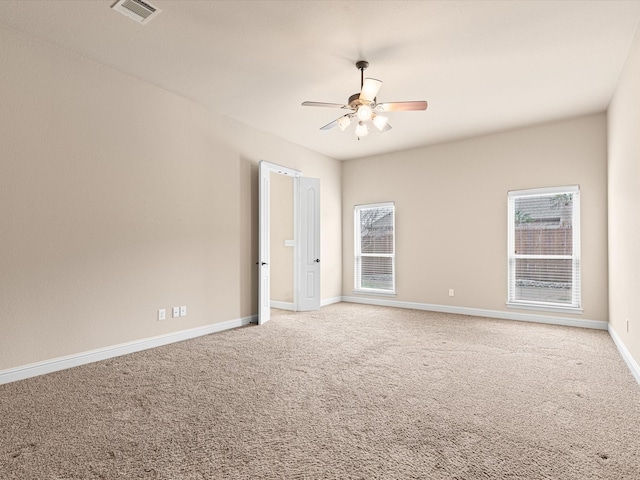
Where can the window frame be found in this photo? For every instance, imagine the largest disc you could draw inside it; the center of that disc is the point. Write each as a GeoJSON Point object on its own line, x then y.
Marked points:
{"type": "Point", "coordinates": [357, 276]}
{"type": "Point", "coordinates": [512, 302]}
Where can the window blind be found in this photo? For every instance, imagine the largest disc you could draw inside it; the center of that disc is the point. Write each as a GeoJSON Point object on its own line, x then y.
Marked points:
{"type": "Point", "coordinates": [544, 247]}
{"type": "Point", "coordinates": [374, 232]}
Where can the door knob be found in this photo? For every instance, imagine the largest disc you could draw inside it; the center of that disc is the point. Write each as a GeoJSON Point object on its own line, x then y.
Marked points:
{"type": "Point", "coordinates": [317, 260]}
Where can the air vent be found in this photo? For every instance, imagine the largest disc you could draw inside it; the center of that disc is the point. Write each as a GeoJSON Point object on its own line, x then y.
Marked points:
{"type": "Point", "coordinates": [136, 10]}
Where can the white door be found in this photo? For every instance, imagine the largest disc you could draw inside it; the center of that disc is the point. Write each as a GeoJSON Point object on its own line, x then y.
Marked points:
{"type": "Point", "coordinates": [264, 254]}
{"type": "Point", "coordinates": [264, 283]}
{"type": "Point", "coordinates": [308, 265]}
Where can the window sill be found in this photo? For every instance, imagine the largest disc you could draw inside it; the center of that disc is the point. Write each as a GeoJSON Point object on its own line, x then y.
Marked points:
{"type": "Point", "coordinates": [377, 293]}
{"type": "Point", "coordinates": [545, 308]}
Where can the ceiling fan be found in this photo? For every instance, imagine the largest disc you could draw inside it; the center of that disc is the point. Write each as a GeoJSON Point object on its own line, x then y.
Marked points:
{"type": "Point", "coordinates": [364, 108]}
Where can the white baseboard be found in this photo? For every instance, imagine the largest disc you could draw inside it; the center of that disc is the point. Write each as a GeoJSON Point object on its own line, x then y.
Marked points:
{"type": "Point", "coordinates": [479, 312]}
{"type": "Point", "coordinates": [282, 305]}
{"type": "Point", "coordinates": [626, 355]}
{"type": "Point", "coordinates": [329, 301]}
{"type": "Point", "coordinates": [62, 363]}
{"type": "Point", "coordinates": [290, 306]}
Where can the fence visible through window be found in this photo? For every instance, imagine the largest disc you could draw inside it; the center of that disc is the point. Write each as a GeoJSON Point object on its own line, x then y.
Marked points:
{"type": "Point", "coordinates": [375, 247]}
{"type": "Point", "coordinates": [544, 262]}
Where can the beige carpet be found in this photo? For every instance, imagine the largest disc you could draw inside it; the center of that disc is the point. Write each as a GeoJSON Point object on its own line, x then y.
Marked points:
{"type": "Point", "coordinates": [351, 392]}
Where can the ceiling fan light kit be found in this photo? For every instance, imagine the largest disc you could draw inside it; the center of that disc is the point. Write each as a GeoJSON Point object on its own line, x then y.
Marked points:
{"type": "Point", "coordinates": [364, 107]}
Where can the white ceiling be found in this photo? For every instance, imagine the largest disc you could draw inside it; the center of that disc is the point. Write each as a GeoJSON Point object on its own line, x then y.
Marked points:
{"type": "Point", "coordinates": [483, 66]}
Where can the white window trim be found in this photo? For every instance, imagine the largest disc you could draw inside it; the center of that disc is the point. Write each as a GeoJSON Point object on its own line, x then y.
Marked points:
{"type": "Point", "coordinates": [544, 306]}
{"type": "Point", "coordinates": [356, 248]}
{"type": "Point", "coordinates": [547, 307]}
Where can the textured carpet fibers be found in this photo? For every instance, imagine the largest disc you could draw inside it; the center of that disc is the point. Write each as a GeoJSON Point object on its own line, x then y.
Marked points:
{"type": "Point", "coordinates": [350, 392]}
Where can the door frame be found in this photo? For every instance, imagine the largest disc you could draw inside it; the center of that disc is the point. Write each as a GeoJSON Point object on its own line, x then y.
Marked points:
{"type": "Point", "coordinates": [264, 172]}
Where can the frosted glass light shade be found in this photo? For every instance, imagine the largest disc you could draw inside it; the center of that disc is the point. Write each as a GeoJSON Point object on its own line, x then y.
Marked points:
{"type": "Point", "coordinates": [364, 113]}
{"type": "Point", "coordinates": [380, 122]}
{"type": "Point", "coordinates": [344, 122]}
{"type": "Point", "coordinates": [361, 130]}
{"type": "Point", "coordinates": [370, 89]}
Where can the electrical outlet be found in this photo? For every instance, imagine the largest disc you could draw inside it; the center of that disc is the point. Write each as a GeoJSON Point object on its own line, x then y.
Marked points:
{"type": "Point", "coordinates": [176, 312]}
{"type": "Point", "coordinates": [451, 292]}
{"type": "Point", "coordinates": [183, 311]}
{"type": "Point", "coordinates": [162, 314]}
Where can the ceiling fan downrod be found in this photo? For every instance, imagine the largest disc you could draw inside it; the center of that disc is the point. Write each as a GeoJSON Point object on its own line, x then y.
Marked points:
{"type": "Point", "coordinates": [362, 66]}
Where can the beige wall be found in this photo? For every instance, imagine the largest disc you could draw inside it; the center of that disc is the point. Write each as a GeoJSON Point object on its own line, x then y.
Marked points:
{"type": "Point", "coordinates": [281, 226]}
{"type": "Point", "coordinates": [118, 198]}
{"type": "Point", "coordinates": [451, 210]}
{"type": "Point", "coordinates": [624, 199]}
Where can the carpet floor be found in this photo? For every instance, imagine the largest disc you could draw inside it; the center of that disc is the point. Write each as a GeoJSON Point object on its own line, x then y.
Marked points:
{"type": "Point", "coordinates": [349, 392]}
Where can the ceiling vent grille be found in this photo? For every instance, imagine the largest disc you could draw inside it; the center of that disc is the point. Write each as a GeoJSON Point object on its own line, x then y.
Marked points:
{"type": "Point", "coordinates": [136, 10]}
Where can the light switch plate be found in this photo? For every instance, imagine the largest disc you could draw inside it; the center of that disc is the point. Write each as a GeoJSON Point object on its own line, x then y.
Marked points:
{"type": "Point", "coordinates": [183, 311]}
{"type": "Point", "coordinates": [176, 312]}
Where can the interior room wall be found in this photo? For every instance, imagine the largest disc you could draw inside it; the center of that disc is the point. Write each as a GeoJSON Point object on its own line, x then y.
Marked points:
{"type": "Point", "coordinates": [281, 271]}
{"type": "Point", "coordinates": [624, 198]}
{"type": "Point", "coordinates": [451, 210]}
{"type": "Point", "coordinates": [118, 198]}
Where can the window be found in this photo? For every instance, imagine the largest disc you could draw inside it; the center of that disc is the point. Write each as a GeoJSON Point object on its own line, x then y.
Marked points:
{"type": "Point", "coordinates": [375, 248]}
{"type": "Point", "coordinates": [544, 248]}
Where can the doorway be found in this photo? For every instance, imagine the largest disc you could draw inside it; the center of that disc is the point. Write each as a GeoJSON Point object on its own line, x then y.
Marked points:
{"type": "Point", "coordinates": [282, 244]}
{"type": "Point", "coordinates": [305, 242]}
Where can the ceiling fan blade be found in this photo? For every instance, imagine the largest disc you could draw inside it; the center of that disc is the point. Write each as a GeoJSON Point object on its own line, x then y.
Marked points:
{"type": "Point", "coordinates": [401, 106]}
{"type": "Point", "coordinates": [323, 104]}
{"type": "Point", "coordinates": [330, 125]}
{"type": "Point", "coordinates": [370, 88]}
